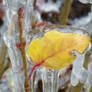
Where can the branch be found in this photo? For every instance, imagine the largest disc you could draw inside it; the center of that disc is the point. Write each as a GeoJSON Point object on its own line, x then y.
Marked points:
{"type": "Point", "coordinates": [7, 64]}
{"type": "Point", "coordinates": [2, 53]}
{"type": "Point", "coordinates": [77, 88]}
{"type": "Point", "coordinates": [1, 1]}
{"type": "Point", "coordinates": [4, 68]}
{"type": "Point", "coordinates": [65, 12]}
{"type": "Point", "coordinates": [2, 58]}
{"type": "Point", "coordinates": [22, 49]}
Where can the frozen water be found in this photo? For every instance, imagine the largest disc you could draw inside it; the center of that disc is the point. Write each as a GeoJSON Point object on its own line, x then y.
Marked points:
{"type": "Point", "coordinates": [74, 80]}
{"type": "Point", "coordinates": [4, 86]}
{"type": "Point", "coordinates": [30, 15]}
{"type": "Point", "coordinates": [50, 80]}
{"type": "Point", "coordinates": [79, 73]}
{"type": "Point", "coordinates": [89, 79]}
{"type": "Point", "coordinates": [14, 4]}
{"type": "Point", "coordinates": [64, 76]}
{"type": "Point", "coordinates": [77, 69]}
{"type": "Point", "coordinates": [84, 75]}
{"type": "Point", "coordinates": [16, 61]}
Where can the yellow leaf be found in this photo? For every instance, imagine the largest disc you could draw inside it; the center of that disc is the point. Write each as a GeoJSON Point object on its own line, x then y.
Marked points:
{"type": "Point", "coordinates": [55, 48]}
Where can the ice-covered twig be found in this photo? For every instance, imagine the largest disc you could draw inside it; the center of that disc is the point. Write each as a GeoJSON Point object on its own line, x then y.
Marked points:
{"type": "Point", "coordinates": [22, 48]}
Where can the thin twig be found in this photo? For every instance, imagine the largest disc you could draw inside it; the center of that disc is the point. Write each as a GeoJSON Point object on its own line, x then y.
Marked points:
{"type": "Point", "coordinates": [33, 80]}
{"type": "Point", "coordinates": [1, 1]}
{"type": "Point", "coordinates": [7, 64]}
{"type": "Point", "coordinates": [2, 58]}
{"type": "Point", "coordinates": [22, 49]}
{"type": "Point", "coordinates": [65, 12]}
{"type": "Point", "coordinates": [4, 68]}
{"type": "Point", "coordinates": [90, 90]}
{"type": "Point", "coordinates": [2, 53]}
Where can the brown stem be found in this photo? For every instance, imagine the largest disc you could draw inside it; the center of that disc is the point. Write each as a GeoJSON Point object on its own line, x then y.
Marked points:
{"type": "Point", "coordinates": [2, 57]}
{"type": "Point", "coordinates": [7, 64]}
{"type": "Point", "coordinates": [22, 50]}
{"type": "Point", "coordinates": [90, 89]}
{"type": "Point", "coordinates": [1, 1]}
{"type": "Point", "coordinates": [1, 72]}
{"type": "Point", "coordinates": [33, 22]}
{"type": "Point", "coordinates": [77, 88]}
{"type": "Point", "coordinates": [2, 53]}
{"type": "Point", "coordinates": [4, 68]}
{"type": "Point", "coordinates": [65, 12]}
{"type": "Point", "coordinates": [33, 80]}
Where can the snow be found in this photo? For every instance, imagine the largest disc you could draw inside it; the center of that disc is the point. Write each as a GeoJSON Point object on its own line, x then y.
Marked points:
{"type": "Point", "coordinates": [50, 6]}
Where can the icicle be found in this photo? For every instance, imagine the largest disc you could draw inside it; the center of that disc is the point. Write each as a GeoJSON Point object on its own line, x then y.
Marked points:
{"type": "Point", "coordinates": [50, 80]}
{"type": "Point", "coordinates": [79, 73]}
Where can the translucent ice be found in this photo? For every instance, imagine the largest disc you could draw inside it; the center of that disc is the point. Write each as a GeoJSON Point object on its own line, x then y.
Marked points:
{"type": "Point", "coordinates": [79, 73]}
{"type": "Point", "coordinates": [16, 61]}
{"type": "Point", "coordinates": [89, 79]}
{"type": "Point", "coordinates": [50, 80]}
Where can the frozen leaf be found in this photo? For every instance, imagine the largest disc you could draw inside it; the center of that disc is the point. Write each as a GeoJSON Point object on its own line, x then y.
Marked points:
{"type": "Point", "coordinates": [54, 48]}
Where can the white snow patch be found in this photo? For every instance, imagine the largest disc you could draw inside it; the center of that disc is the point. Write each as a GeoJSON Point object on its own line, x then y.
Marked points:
{"type": "Point", "coordinates": [50, 6]}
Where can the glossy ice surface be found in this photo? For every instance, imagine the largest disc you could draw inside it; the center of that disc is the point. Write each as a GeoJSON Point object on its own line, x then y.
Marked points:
{"type": "Point", "coordinates": [55, 48]}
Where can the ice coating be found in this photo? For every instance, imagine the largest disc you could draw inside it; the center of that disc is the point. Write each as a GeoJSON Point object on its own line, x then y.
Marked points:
{"type": "Point", "coordinates": [14, 4]}
{"type": "Point", "coordinates": [34, 16]}
{"type": "Point", "coordinates": [16, 61]}
{"type": "Point", "coordinates": [50, 80]}
{"type": "Point", "coordinates": [88, 83]}
{"type": "Point", "coordinates": [52, 36]}
{"type": "Point", "coordinates": [79, 73]}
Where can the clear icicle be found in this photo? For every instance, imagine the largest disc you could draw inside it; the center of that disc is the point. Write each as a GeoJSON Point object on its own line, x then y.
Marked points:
{"type": "Point", "coordinates": [79, 73]}
{"type": "Point", "coordinates": [50, 80]}
{"type": "Point", "coordinates": [16, 61]}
